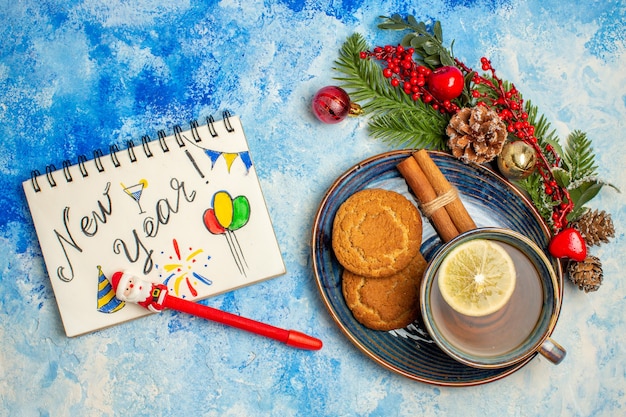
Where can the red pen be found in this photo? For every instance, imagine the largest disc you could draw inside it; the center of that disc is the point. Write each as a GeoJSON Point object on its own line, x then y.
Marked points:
{"type": "Point", "coordinates": [156, 297]}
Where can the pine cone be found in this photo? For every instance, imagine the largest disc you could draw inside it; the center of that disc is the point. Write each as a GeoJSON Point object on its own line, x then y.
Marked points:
{"type": "Point", "coordinates": [587, 275]}
{"type": "Point", "coordinates": [476, 134]}
{"type": "Point", "coordinates": [595, 227]}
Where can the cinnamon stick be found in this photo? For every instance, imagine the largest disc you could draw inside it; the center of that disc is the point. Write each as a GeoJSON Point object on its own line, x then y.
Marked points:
{"type": "Point", "coordinates": [455, 208]}
{"type": "Point", "coordinates": [425, 193]}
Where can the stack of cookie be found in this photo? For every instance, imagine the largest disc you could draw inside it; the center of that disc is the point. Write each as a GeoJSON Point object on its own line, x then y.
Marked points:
{"type": "Point", "coordinates": [376, 237]}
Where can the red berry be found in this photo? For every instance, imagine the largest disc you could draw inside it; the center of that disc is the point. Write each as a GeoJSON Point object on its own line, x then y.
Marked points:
{"type": "Point", "coordinates": [446, 83]}
{"type": "Point", "coordinates": [424, 70]}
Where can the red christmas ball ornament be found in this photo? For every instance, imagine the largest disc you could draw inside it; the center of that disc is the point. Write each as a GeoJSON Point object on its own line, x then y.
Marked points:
{"type": "Point", "coordinates": [332, 104]}
{"type": "Point", "coordinates": [446, 83]}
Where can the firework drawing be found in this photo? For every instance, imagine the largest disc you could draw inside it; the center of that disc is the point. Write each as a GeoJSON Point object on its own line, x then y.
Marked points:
{"type": "Point", "coordinates": [182, 269]}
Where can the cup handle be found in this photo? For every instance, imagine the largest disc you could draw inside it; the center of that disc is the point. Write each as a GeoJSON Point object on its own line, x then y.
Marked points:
{"type": "Point", "coordinates": [552, 351]}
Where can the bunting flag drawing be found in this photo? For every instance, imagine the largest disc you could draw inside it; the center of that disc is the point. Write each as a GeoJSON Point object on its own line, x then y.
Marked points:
{"type": "Point", "coordinates": [229, 158]}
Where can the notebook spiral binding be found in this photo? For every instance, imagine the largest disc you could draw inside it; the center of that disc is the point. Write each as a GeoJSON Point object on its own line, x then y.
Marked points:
{"type": "Point", "coordinates": [114, 150]}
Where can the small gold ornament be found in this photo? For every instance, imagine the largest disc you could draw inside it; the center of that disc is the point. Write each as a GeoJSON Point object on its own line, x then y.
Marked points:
{"type": "Point", "coordinates": [517, 160]}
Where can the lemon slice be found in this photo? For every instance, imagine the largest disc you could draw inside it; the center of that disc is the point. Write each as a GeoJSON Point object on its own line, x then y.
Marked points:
{"type": "Point", "coordinates": [477, 277]}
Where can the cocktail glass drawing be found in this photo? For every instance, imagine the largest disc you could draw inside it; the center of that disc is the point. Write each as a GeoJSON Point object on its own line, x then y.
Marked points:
{"type": "Point", "coordinates": [135, 191]}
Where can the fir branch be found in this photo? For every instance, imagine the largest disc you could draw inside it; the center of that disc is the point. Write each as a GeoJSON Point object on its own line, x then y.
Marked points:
{"type": "Point", "coordinates": [578, 156]}
{"type": "Point", "coordinates": [395, 118]}
{"type": "Point", "coordinates": [533, 185]}
{"type": "Point", "coordinates": [410, 129]}
{"type": "Point", "coordinates": [543, 131]}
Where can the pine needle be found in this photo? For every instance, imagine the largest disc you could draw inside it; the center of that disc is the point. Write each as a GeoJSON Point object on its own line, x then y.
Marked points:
{"type": "Point", "coordinates": [410, 129]}
{"type": "Point", "coordinates": [579, 156]}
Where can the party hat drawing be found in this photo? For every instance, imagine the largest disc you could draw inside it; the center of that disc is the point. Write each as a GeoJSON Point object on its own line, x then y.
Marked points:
{"type": "Point", "coordinates": [107, 302]}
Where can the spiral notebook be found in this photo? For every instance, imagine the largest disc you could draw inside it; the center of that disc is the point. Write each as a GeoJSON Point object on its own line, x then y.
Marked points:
{"type": "Point", "coordinates": [185, 210]}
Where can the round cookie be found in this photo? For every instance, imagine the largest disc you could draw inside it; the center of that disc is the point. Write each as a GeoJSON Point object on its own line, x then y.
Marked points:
{"type": "Point", "coordinates": [385, 303]}
{"type": "Point", "coordinates": [376, 232]}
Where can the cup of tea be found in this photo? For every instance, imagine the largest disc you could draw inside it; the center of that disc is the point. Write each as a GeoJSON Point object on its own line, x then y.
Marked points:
{"type": "Point", "coordinates": [518, 329]}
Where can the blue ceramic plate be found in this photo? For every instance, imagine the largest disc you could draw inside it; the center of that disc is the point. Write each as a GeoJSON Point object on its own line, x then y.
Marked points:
{"type": "Point", "coordinates": [490, 200]}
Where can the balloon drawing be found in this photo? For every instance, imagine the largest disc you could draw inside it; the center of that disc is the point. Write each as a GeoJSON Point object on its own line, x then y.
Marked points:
{"type": "Point", "coordinates": [225, 217]}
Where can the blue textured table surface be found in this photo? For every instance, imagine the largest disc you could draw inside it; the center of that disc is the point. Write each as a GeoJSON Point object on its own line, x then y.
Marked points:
{"type": "Point", "coordinates": [79, 75]}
